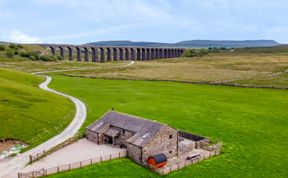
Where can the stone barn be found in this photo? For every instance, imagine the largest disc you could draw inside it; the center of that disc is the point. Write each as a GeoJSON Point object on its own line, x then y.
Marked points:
{"type": "Point", "coordinates": [143, 138]}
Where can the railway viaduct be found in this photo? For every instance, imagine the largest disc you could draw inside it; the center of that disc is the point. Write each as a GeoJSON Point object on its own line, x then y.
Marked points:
{"type": "Point", "coordinates": [110, 53]}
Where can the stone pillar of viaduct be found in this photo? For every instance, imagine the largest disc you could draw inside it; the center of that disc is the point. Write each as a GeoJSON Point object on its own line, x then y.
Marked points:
{"type": "Point", "coordinates": [108, 54]}
{"type": "Point", "coordinates": [148, 54]}
{"type": "Point", "coordinates": [127, 54]}
{"type": "Point", "coordinates": [143, 52]}
{"type": "Point", "coordinates": [121, 54]}
{"type": "Point", "coordinates": [94, 54]}
{"type": "Point", "coordinates": [138, 50]}
{"type": "Point", "coordinates": [132, 52]}
{"type": "Point", "coordinates": [115, 54]}
{"type": "Point", "coordinates": [102, 55]}
{"type": "Point", "coordinates": [78, 51]}
{"type": "Point", "coordinates": [86, 54]}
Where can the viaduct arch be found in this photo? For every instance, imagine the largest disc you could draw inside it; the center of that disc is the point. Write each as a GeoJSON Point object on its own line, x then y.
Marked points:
{"type": "Point", "coordinates": [101, 54]}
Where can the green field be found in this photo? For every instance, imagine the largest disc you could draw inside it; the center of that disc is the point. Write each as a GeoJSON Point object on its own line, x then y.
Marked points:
{"type": "Point", "coordinates": [28, 113]}
{"type": "Point", "coordinates": [250, 65]}
{"type": "Point", "coordinates": [251, 123]}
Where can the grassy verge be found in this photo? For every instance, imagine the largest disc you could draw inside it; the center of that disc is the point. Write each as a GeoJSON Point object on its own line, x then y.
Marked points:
{"type": "Point", "coordinates": [127, 169]}
{"type": "Point", "coordinates": [250, 122]}
{"type": "Point", "coordinates": [28, 113]}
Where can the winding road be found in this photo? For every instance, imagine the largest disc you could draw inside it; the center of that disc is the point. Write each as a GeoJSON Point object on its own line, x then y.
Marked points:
{"type": "Point", "coordinates": [11, 167]}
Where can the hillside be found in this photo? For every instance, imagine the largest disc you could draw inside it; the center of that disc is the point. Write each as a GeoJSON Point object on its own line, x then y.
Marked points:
{"type": "Point", "coordinates": [128, 43]}
{"type": "Point", "coordinates": [28, 113]}
{"type": "Point", "coordinates": [192, 43]}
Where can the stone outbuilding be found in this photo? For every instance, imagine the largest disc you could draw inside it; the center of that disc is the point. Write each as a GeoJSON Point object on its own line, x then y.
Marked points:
{"type": "Point", "coordinates": [141, 137]}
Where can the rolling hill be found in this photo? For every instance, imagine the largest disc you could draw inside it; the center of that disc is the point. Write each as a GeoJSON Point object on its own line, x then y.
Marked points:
{"type": "Point", "coordinates": [192, 43]}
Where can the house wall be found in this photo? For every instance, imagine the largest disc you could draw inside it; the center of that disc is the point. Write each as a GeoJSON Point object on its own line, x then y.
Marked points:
{"type": "Point", "coordinates": [134, 152]}
{"type": "Point", "coordinates": [97, 137]}
{"type": "Point", "coordinates": [161, 143]}
{"type": "Point", "coordinates": [123, 137]}
{"type": "Point", "coordinates": [92, 136]}
{"type": "Point", "coordinates": [202, 143]}
{"type": "Point", "coordinates": [185, 146]}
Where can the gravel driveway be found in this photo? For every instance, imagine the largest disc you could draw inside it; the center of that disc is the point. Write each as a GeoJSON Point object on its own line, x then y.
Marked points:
{"type": "Point", "coordinates": [79, 151]}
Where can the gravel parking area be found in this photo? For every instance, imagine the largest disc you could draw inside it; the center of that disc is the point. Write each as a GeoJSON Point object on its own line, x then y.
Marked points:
{"type": "Point", "coordinates": [79, 151]}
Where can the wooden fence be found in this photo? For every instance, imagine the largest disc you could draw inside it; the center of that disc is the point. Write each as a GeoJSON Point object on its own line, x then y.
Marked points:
{"type": "Point", "coordinates": [68, 167]}
{"type": "Point", "coordinates": [175, 167]}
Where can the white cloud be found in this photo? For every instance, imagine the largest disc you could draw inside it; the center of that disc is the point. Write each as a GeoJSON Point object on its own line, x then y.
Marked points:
{"type": "Point", "coordinates": [117, 12]}
{"type": "Point", "coordinates": [19, 37]}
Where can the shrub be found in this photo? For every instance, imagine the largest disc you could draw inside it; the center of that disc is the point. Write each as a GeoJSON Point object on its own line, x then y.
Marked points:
{"type": "Point", "coordinates": [33, 58]}
{"type": "Point", "coordinates": [15, 46]}
{"type": "Point", "coordinates": [60, 58]}
{"type": "Point", "coordinates": [34, 55]}
{"type": "Point", "coordinates": [24, 54]}
{"type": "Point", "coordinates": [195, 52]}
{"type": "Point", "coordinates": [48, 58]}
{"type": "Point", "coordinates": [2, 47]}
{"type": "Point", "coordinates": [9, 53]}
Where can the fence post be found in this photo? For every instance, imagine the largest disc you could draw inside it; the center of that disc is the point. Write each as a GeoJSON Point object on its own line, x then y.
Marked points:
{"type": "Point", "coordinates": [19, 175]}
{"type": "Point", "coordinates": [110, 156]}
{"type": "Point", "coordinates": [80, 164]}
{"type": "Point", "coordinates": [58, 169]}
{"type": "Point", "coordinates": [100, 159]}
{"type": "Point", "coordinates": [30, 156]}
{"type": "Point", "coordinates": [69, 167]}
{"type": "Point", "coordinates": [119, 155]}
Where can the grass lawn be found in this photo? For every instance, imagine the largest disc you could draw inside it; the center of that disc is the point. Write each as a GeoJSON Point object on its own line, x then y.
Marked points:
{"type": "Point", "coordinates": [252, 123]}
{"type": "Point", "coordinates": [29, 113]}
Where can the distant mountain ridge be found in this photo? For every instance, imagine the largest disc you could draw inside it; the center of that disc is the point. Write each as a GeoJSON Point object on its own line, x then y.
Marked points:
{"type": "Point", "coordinates": [192, 43]}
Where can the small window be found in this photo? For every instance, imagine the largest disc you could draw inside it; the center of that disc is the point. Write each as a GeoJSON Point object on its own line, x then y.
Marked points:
{"type": "Point", "coordinates": [170, 136]}
{"type": "Point", "coordinates": [123, 131]}
{"type": "Point", "coordinates": [170, 152]}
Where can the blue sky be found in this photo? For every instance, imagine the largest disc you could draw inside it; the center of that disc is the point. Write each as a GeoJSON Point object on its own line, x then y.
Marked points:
{"type": "Point", "coordinates": [82, 21]}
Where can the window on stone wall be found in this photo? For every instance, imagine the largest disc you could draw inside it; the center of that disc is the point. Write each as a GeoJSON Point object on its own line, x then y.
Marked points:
{"type": "Point", "coordinates": [170, 152]}
{"type": "Point", "coordinates": [170, 136]}
{"type": "Point", "coordinates": [123, 131]}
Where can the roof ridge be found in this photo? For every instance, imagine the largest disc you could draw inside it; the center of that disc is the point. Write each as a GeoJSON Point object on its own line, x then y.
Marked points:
{"type": "Point", "coordinates": [98, 119]}
{"type": "Point", "coordinates": [137, 117]}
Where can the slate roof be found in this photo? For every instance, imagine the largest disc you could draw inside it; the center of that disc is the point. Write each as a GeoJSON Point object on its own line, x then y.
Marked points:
{"type": "Point", "coordinates": [111, 132]}
{"type": "Point", "coordinates": [144, 129]}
